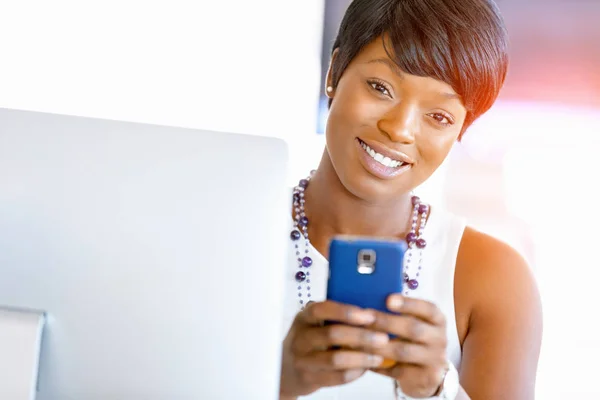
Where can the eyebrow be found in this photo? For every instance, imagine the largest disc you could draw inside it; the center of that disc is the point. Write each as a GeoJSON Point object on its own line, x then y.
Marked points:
{"type": "Point", "coordinates": [391, 65]}
{"type": "Point", "coordinates": [398, 71]}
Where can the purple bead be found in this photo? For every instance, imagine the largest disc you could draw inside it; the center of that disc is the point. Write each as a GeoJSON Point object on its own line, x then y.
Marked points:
{"type": "Point", "coordinates": [300, 276]}
{"type": "Point", "coordinates": [421, 243]}
{"type": "Point", "coordinates": [303, 183]}
{"type": "Point", "coordinates": [406, 278]}
{"type": "Point", "coordinates": [303, 222]}
{"type": "Point", "coordinates": [295, 235]}
{"type": "Point", "coordinates": [413, 284]}
{"type": "Point", "coordinates": [415, 200]}
{"type": "Point", "coordinates": [296, 197]}
{"type": "Point", "coordinates": [423, 208]}
{"type": "Point", "coordinates": [411, 237]}
{"type": "Point", "coordinates": [307, 262]}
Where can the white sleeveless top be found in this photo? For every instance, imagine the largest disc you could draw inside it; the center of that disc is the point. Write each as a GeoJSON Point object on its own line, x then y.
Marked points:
{"type": "Point", "coordinates": [443, 234]}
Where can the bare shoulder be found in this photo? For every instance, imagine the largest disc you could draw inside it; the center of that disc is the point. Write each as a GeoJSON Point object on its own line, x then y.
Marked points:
{"type": "Point", "coordinates": [492, 269]}
{"type": "Point", "coordinates": [496, 293]}
{"type": "Point", "coordinates": [486, 254]}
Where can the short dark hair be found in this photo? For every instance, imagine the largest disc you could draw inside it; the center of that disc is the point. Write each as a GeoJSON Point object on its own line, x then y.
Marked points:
{"type": "Point", "coordinates": [463, 43]}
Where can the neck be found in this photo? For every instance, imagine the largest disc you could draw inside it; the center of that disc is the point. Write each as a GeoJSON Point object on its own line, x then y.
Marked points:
{"type": "Point", "coordinates": [333, 210]}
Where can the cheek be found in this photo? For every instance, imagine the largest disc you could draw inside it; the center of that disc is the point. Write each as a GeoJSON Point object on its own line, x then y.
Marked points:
{"type": "Point", "coordinates": [433, 151]}
{"type": "Point", "coordinates": [352, 108]}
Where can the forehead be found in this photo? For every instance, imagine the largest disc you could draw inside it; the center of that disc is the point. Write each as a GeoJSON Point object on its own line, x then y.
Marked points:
{"type": "Point", "coordinates": [375, 49]}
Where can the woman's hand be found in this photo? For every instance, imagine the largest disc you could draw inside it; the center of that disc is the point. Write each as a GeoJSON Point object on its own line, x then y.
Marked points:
{"type": "Point", "coordinates": [309, 360]}
{"type": "Point", "coordinates": [419, 350]}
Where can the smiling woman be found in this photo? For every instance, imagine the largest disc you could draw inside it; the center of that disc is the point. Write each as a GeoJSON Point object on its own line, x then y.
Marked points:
{"type": "Point", "coordinates": [432, 39]}
{"type": "Point", "coordinates": [424, 116]}
{"type": "Point", "coordinates": [406, 80]}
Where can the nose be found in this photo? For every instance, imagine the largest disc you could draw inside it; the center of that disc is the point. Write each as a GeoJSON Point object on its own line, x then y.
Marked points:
{"type": "Point", "coordinates": [400, 123]}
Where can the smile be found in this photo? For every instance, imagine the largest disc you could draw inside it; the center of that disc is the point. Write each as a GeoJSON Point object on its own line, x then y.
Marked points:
{"type": "Point", "coordinates": [380, 158]}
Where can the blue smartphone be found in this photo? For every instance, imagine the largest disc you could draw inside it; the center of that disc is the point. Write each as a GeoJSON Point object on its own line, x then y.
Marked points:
{"type": "Point", "coordinates": [364, 272]}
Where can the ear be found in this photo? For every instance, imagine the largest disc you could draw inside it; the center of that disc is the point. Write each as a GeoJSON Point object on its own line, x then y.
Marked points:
{"type": "Point", "coordinates": [329, 87]}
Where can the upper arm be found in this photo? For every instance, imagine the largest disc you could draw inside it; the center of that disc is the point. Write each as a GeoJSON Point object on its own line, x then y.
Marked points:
{"type": "Point", "coordinates": [502, 345]}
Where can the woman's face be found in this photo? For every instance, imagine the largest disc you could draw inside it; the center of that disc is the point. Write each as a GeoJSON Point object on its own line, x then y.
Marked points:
{"type": "Point", "coordinates": [388, 131]}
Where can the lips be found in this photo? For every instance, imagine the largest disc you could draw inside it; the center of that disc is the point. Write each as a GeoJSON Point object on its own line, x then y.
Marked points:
{"type": "Point", "coordinates": [380, 165]}
{"type": "Point", "coordinates": [384, 151]}
{"type": "Point", "coordinates": [380, 158]}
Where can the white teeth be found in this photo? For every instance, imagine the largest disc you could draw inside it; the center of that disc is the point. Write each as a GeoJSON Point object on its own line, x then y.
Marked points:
{"type": "Point", "coordinates": [380, 158]}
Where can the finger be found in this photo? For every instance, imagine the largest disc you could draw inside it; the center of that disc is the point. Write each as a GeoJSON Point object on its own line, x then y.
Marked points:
{"type": "Point", "coordinates": [339, 360]}
{"type": "Point", "coordinates": [400, 370]}
{"type": "Point", "coordinates": [331, 378]}
{"type": "Point", "coordinates": [319, 338]}
{"type": "Point", "coordinates": [412, 353]}
{"type": "Point", "coordinates": [316, 313]}
{"type": "Point", "coordinates": [418, 308]}
{"type": "Point", "coordinates": [410, 328]}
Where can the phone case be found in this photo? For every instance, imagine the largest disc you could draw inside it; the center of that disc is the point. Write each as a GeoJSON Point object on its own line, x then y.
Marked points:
{"type": "Point", "coordinates": [352, 283]}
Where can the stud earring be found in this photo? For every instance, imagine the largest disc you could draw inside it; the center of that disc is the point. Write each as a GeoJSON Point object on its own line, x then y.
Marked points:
{"type": "Point", "coordinates": [329, 89]}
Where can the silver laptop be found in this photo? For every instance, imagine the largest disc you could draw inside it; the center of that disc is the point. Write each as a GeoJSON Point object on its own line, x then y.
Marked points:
{"type": "Point", "coordinates": [144, 262]}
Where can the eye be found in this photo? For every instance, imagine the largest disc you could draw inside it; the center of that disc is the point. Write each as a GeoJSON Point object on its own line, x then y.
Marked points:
{"type": "Point", "coordinates": [442, 119]}
{"type": "Point", "coordinates": [380, 87]}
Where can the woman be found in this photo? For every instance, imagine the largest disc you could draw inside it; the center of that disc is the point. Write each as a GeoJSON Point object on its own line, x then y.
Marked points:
{"type": "Point", "coordinates": [406, 80]}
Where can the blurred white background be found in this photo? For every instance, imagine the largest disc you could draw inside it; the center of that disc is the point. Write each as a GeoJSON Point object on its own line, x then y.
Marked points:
{"type": "Point", "coordinates": [526, 172]}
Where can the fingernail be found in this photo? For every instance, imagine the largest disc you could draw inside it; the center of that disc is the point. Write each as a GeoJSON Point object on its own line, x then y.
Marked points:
{"type": "Point", "coordinates": [352, 374]}
{"type": "Point", "coordinates": [379, 339]}
{"type": "Point", "coordinates": [375, 361]}
{"type": "Point", "coordinates": [396, 301]}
